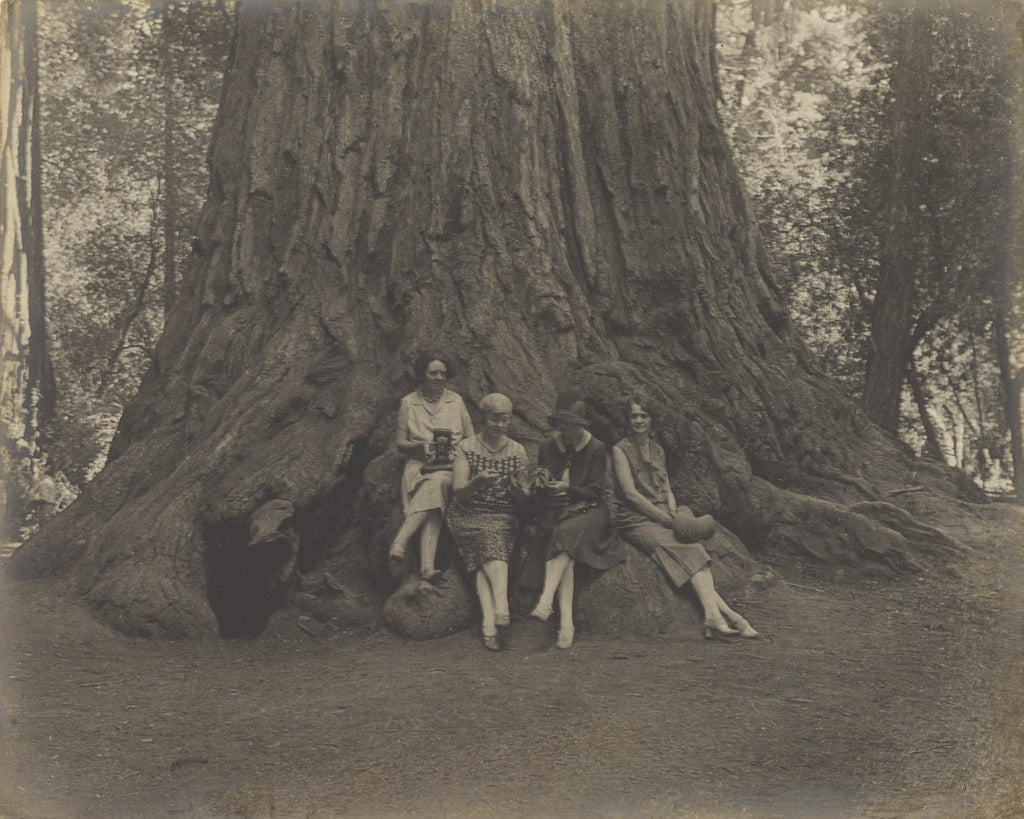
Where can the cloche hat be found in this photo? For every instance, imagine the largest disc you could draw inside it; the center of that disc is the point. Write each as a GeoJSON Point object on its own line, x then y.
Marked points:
{"type": "Point", "coordinates": [570, 408]}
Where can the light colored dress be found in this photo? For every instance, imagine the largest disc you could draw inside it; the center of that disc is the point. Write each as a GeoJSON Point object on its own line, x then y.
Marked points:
{"type": "Point", "coordinates": [483, 526]}
{"type": "Point", "coordinates": [680, 561]}
{"type": "Point", "coordinates": [421, 493]}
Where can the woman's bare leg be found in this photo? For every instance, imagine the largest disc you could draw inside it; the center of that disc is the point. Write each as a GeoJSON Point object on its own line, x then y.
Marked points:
{"type": "Point", "coordinates": [704, 585]}
{"type": "Point", "coordinates": [554, 572]}
{"type": "Point", "coordinates": [716, 610]}
{"type": "Point", "coordinates": [428, 540]}
{"type": "Point", "coordinates": [727, 612]}
{"type": "Point", "coordinates": [496, 572]}
{"type": "Point", "coordinates": [412, 522]}
{"type": "Point", "coordinates": [566, 588]}
{"type": "Point", "coordinates": [738, 621]}
{"type": "Point", "coordinates": [483, 591]}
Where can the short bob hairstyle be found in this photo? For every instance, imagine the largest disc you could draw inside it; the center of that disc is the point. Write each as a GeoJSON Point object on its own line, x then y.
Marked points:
{"type": "Point", "coordinates": [647, 403]}
{"type": "Point", "coordinates": [494, 403]}
{"type": "Point", "coordinates": [423, 359]}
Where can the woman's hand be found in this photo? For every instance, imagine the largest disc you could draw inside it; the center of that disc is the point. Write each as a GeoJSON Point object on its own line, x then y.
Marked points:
{"type": "Point", "coordinates": [545, 480]}
{"type": "Point", "coordinates": [478, 483]}
{"type": "Point", "coordinates": [482, 479]}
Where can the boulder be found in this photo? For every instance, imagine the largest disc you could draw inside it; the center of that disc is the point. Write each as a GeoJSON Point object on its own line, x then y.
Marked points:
{"type": "Point", "coordinates": [422, 610]}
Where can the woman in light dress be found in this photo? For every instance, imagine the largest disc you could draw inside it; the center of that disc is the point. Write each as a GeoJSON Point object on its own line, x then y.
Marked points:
{"type": "Point", "coordinates": [647, 515]}
{"type": "Point", "coordinates": [426, 483]}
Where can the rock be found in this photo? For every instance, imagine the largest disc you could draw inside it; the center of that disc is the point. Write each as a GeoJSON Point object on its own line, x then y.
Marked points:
{"type": "Point", "coordinates": [636, 600]}
{"type": "Point", "coordinates": [333, 601]}
{"type": "Point", "coordinates": [422, 610]}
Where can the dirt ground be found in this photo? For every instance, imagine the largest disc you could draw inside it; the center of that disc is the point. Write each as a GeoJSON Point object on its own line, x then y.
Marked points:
{"type": "Point", "coordinates": [870, 699]}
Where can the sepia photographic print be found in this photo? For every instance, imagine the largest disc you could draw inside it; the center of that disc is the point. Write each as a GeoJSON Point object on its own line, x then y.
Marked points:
{"type": "Point", "coordinates": [485, 408]}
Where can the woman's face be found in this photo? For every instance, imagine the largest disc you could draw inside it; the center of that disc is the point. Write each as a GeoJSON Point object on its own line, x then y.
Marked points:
{"type": "Point", "coordinates": [639, 420]}
{"type": "Point", "coordinates": [497, 423]}
{"type": "Point", "coordinates": [434, 377]}
{"type": "Point", "coordinates": [570, 433]}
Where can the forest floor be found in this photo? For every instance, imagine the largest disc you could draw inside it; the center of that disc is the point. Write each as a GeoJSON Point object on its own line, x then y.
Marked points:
{"type": "Point", "coordinates": [883, 698]}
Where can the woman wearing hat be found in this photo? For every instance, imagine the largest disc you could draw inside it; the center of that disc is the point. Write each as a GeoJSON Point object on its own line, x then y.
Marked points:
{"type": "Point", "coordinates": [572, 517]}
{"type": "Point", "coordinates": [480, 515]}
{"type": "Point", "coordinates": [423, 414]}
{"type": "Point", "coordinates": [646, 515]}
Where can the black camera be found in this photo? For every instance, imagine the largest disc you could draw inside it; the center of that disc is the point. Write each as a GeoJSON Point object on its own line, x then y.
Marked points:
{"type": "Point", "coordinates": [440, 451]}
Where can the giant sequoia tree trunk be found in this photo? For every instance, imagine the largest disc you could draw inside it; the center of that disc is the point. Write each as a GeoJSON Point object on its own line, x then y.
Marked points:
{"type": "Point", "coordinates": [543, 188]}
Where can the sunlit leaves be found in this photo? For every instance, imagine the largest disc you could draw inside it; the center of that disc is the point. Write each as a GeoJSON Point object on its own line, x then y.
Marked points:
{"type": "Point", "coordinates": [116, 147]}
{"type": "Point", "coordinates": [809, 101]}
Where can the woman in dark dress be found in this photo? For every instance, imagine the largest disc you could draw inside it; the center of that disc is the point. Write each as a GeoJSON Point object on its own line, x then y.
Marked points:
{"type": "Point", "coordinates": [647, 516]}
{"type": "Point", "coordinates": [572, 517]}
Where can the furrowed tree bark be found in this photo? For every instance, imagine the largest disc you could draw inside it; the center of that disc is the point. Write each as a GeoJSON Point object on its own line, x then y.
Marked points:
{"type": "Point", "coordinates": [40, 368]}
{"type": "Point", "coordinates": [544, 189]}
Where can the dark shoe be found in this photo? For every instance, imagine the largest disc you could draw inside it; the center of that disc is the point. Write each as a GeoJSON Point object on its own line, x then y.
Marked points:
{"type": "Point", "coordinates": [720, 631]}
{"type": "Point", "coordinates": [502, 620]}
{"type": "Point", "coordinates": [491, 642]}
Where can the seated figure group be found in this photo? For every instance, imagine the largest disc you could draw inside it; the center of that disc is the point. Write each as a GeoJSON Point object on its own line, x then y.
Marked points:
{"type": "Point", "coordinates": [577, 497]}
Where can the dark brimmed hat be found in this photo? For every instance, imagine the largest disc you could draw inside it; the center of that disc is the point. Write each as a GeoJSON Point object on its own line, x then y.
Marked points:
{"type": "Point", "coordinates": [570, 408]}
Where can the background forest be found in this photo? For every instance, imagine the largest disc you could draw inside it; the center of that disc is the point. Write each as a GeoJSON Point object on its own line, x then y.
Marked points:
{"type": "Point", "coordinates": [876, 143]}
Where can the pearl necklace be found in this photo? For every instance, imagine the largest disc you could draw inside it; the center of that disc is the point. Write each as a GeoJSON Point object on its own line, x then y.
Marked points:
{"type": "Point", "coordinates": [431, 404]}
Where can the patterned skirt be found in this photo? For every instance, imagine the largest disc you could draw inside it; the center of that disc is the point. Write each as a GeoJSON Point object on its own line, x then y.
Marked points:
{"type": "Point", "coordinates": [481, 536]}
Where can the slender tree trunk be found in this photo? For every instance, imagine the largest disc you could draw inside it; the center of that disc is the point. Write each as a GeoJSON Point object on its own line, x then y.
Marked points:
{"type": "Point", "coordinates": [1008, 313]}
{"type": "Point", "coordinates": [27, 389]}
{"type": "Point", "coordinates": [893, 311]}
{"type": "Point", "coordinates": [170, 161]}
{"type": "Point", "coordinates": [135, 304]}
{"type": "Point", "coordinates": [546, 190]}
{"type": "Point", "coordinates": [40, 370]}
{"type": "Point", "coordinates": [13, 274]}
{"type": "Point", "coordinates": [1010, 380]}
{"type": "Point", "coordinates": [933, 446]}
